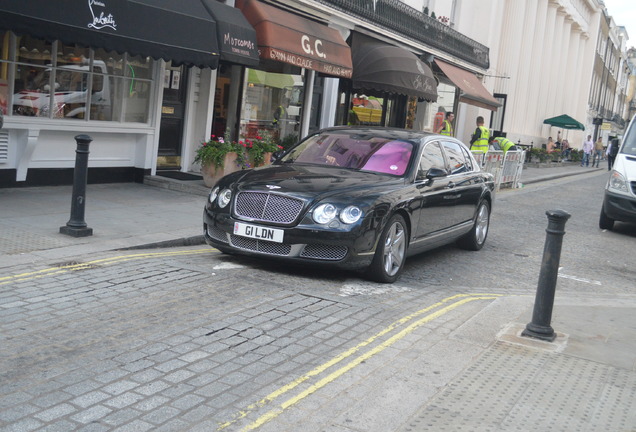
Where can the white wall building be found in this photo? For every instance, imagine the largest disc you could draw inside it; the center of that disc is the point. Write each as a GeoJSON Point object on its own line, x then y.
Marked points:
{"type": "Point", "coordinates": [547, 58]}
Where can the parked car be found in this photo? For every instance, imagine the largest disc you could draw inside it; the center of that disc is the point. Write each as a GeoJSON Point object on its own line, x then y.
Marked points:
{"type": "Point", "coordinates": [619, 203]}
{"type": "Point", "coordinates": [354, 197]}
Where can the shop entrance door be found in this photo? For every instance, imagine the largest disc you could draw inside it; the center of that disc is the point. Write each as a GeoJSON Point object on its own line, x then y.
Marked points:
{"type": "Point", "coordinates": [172, 118]}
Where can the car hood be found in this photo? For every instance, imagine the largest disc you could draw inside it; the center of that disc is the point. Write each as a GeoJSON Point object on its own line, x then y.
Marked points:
{"type": "Point", "coordinates": [626, 165]}
{"type": "Point", "coordinates": [311, 181]}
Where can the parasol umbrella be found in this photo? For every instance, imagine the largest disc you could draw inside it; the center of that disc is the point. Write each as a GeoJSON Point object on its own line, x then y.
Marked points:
{"type": "Point", "coordinates": [564, 121]}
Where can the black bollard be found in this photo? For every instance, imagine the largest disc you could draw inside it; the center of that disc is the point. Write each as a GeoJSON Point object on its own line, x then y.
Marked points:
{"type": "Point", "coordinates": [540, 328]}
{"type": "Point", "coordinates": [76, 226]}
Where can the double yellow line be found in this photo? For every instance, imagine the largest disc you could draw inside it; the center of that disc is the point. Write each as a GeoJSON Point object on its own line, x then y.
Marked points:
{"type": "Point", "coordinates": [100, 262]}
{"type": "Point", "coordinates": [411, 323]}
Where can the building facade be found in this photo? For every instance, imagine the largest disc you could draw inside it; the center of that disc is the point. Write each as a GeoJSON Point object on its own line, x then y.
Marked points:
{"type": "Point", "coordinates": [573, 63]}
{"type": "Point", "coordinates": [148, 95]}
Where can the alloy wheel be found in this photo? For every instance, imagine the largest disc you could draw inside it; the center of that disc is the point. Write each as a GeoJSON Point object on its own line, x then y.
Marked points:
{"type": "Point", "coordinates": [394, 248]}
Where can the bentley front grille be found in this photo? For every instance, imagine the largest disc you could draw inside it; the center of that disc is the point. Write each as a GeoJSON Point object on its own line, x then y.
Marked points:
{"type": "Point", "coordinates": [267, 207]}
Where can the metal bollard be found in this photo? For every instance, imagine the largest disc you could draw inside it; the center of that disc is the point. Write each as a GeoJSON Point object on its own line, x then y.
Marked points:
{"type": "Point", "coordinates": [540, 327]}
{"type": "Point", "coordinates": [76, 226]}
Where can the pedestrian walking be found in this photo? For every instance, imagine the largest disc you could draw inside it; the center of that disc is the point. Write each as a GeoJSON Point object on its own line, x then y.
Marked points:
{"type": "Point", "coordinates": [481, 137]}
{"type": "Point", "coordinates": [588, 146]}
{"type": "Point", "coordinates": [598, 152]}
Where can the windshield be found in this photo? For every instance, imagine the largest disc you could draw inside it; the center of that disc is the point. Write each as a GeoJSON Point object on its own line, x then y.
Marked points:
{"type": "Point", "coordinates": [629, 144]}
{"type": "Point", "coordinates": [366, 153]}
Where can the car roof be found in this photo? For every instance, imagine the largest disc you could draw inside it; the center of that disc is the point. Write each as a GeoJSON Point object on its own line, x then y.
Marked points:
{"type": "Point", "coordinates": [385, 132]}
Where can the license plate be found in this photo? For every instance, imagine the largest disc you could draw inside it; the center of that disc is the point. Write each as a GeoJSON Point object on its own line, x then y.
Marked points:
{"type": "Point", "coordinates": [258, 232]}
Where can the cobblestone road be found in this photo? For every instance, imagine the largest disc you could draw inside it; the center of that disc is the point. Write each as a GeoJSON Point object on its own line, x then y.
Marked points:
{"type": "Point", "coordinates": [190, 339]}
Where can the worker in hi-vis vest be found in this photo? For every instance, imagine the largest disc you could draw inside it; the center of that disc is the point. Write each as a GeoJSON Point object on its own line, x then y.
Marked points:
{"type": "Point", "coordinates": [446, 128]}
{"type": "Point", "coordinates": [504, 144]}
{"type": "Point", "coordinates": [278, 114]}
{"type": "Point", "coordinates": [480, 139]}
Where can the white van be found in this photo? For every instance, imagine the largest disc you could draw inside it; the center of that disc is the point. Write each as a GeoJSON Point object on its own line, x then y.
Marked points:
{"type": "Point", "coordinates": [70, 95]}
{"type": "Point", "coordinates": [619, 203]}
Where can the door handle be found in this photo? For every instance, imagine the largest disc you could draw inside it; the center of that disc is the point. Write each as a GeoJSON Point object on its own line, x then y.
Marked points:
{"type": "Point", "coordinates": [450, 185]}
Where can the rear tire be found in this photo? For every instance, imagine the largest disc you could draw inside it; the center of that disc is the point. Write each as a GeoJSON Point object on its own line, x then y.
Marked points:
{"type": "Point", "coordinates": [390, 255]}
{"type": "Point", "coordinates": [476, 238]}
{"type": "Point", "coordinates": [604, 221]}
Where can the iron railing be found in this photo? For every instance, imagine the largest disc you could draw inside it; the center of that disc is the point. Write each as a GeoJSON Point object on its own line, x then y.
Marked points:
{"type": "Point", "coordinates": [402, 19]}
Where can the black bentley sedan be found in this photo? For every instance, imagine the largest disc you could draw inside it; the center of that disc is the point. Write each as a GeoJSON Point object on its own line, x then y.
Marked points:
{"type": "Point", "coordinates": [354, 197]}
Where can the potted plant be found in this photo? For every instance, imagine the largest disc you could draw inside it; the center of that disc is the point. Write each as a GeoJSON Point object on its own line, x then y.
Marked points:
{"type": "Point", "coordinates": [219, 156]}
{"type": "Point", "coordinates": [576, 155]}
{"type": "Point", "coordinates": [259, 149]}
{"type": "Point", "coordinates": [538, 155]}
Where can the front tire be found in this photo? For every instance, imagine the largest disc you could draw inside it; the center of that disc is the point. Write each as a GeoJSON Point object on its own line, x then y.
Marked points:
{"type": "Point", "coordinates": [604, 221]}
{"type": "Point", "coordinates": [476, 238]}
{"type": "Point", "coordinates": [390, 255]}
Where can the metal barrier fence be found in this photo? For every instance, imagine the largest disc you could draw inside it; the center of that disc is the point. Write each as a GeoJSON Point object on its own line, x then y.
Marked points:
{"type": "Point", "coordinates": [506, 168]}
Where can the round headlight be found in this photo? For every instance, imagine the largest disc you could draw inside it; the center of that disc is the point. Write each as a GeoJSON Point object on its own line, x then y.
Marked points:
{"type": "Point", "coordinates": [618, 182]}
{"type": "Point", "coordinates": [224, 197]}
{"type": "Point", "coordinates": [213, 195]}
{"type": "Point", "coordinates": [351, 214]}
{"type": "Point", "coordinates": [324, 213]}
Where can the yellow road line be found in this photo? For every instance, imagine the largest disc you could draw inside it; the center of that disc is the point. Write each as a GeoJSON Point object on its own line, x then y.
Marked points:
{"type": "Point", "coordinates": [104, 261]}
{"type": "Point", "coordinates": [342, 356]}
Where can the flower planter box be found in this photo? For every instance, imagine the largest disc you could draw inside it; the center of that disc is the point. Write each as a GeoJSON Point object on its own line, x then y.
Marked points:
{"type": "Point", "coordinates": [267, 159]}
{"type": "Point", "coordinates": [212, 174]}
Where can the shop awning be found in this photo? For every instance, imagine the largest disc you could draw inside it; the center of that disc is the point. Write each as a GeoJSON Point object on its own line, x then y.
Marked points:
{"type": "Point", "coordinates": [237, 38]}
{"type": "Point", "coordinates": [182, 31]}
{"type": "Point", "coordinates": [473, 91]}
{"type": "Point", "coordinates": [387, 68]}
{"type": "Point", "coordinates": [275, 80]}
{"type": "Point", "coordinates": [288, 38]}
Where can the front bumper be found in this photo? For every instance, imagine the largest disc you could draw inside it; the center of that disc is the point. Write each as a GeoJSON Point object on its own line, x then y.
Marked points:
{"type": "Point", "coordinates": [349, 249]}
{"type": "Point", "coordinates": [619, 207]}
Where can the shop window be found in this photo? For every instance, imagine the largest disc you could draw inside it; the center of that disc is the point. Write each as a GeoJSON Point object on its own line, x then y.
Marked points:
{"type": "Point", "coordinates": [366, 110]}
{"type": "Point", "coordinates": [271, 102]}
{"type": "Point", "coordinates": [137, 100]}
{"type": "Point", "coordinates": [53, 80]}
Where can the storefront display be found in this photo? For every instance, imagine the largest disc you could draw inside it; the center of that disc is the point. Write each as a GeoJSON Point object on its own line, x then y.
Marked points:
{"type": "Point", "coordinates": [271, 102]}
{"type": "Point", "coordinates": [58, 81]}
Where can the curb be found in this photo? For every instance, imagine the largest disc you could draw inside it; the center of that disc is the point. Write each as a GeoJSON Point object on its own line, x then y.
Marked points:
{"type": "Point", "coordinates": [185, 241]}
{"type": "Point", "coordinates": [557, 176]}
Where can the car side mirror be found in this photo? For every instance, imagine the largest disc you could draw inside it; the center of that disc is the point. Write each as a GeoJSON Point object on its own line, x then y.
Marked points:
{"type": "Point", "coordinates": [277, 155]}
{"type": "Point", "coordinates": [431, 174]}
{"type": "Point", "coordinates": [434, 173]}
